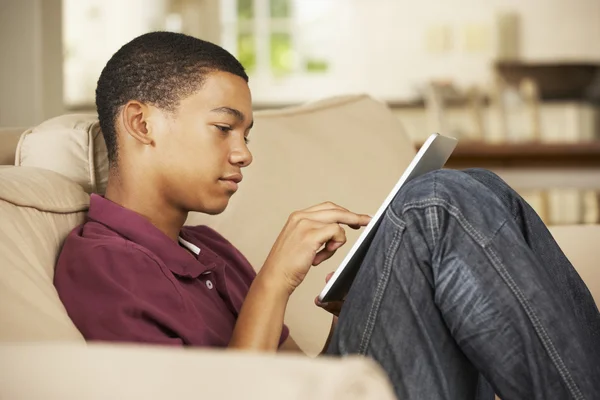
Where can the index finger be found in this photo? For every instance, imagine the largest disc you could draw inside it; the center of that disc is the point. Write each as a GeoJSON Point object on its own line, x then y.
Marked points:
{"type": "Point", "coordinates": [328, 205]}
{"type": "Point", "coordinates": [336, 216]}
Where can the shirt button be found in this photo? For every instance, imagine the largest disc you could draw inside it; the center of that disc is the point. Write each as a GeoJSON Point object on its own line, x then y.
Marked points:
{"type": "Point", "coordinates": [209, 284]}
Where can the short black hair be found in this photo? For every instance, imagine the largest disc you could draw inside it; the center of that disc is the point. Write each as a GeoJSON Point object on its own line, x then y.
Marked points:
{"type": "Point", "coordinates": [158, 68]}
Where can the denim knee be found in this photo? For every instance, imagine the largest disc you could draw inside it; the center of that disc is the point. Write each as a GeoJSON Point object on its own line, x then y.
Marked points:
{"type": "Point", "coordinates": [451, 187]}
{"type": "Point", "coordinates": [438, 200]}
{"type": "Point", "coordinates": [444, 183]}
{"type": "Point", "coordinates": [486, 176]}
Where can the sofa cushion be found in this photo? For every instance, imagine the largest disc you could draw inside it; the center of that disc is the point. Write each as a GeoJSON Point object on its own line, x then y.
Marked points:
{"type": "Point", "coordinates": [578, 243]}
{"type": "Point", "coordinates": [71, 145]}
{"type": "Point", "coordinates": [38, 209]}
{"type": "Point", "coordinates": [9, 137]}
{"type": "Point", "coordinates": [101, 371]}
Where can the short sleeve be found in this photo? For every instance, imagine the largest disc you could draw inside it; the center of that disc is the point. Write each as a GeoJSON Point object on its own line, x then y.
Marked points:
{"type": "Point", "coordinates": [105, 300]}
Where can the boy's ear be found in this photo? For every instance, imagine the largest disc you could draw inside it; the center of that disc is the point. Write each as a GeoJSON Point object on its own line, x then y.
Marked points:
{"type": "Point", "coordinates": [135, 121]}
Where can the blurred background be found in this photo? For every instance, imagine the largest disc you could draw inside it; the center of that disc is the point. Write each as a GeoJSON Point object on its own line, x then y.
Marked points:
{"type": "Point", "coordinates": [517, 81]}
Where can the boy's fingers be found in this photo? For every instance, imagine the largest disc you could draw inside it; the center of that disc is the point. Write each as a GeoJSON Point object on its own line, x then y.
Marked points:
{"type": "Point", "coordinates": [328, 277]}
{"type": "Point", "coordinates": [339, 217]}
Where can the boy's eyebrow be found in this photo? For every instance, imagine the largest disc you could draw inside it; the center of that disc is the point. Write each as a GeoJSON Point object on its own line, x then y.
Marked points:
{"type": "Point", "coordinates": [232, 111]}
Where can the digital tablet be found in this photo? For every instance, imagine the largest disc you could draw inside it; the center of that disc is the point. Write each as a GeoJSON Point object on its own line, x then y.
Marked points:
{"type": "Point", "coordinates": [432, 156]}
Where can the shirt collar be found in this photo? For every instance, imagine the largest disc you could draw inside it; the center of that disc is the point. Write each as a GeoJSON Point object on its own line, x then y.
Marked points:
{"type": "Point", "coordinates": [188, 245]}
{"type": "Point", "coordinates": [138, 229]}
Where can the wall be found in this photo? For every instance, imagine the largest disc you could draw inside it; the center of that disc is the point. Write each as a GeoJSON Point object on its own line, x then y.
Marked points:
{"type": "Point", "coordinates": [380, 46]}
{"type": "Point", "coordinates": [30, 61]}
{"type": "Point", "coordinates": [94, 30]}
{"type": "Point", "coordinates": [375, 46]}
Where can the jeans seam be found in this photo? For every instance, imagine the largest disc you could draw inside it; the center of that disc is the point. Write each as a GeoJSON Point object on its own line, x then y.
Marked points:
{"type": "Point", "coordinates": [434, 235]}
{"type": "Point", "coordinates": [437, 222]}
{"type": "Point", "coordinates": [432, 225]}
{"type": "Point", "coordinates": [537, 325]}
{"type": "Point", "coordinates": [380, 289]}
{"type": "Point", "coordinates": [519, 295]}
{"type": "Point", "coordinates": [454, 211]}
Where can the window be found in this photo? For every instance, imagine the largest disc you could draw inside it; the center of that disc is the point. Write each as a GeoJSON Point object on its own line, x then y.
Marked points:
{"type": "Point", "coordinates": [284, 44]}
{"type": "Point", "coordinates": [93, 30]}
{"type": "Point", "coordinates": [275, 38]}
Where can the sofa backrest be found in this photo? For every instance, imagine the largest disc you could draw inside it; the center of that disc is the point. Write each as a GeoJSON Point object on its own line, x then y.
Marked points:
{"type": "Point", "coordinates": [71, 145]}
{"type": "Point", "coordinates": [9, 137]}
{"type": "Point", "coordinates": [579, 242]}
{"type": "Point", "coordinates": [349, 150]}
{"type": "Point", "coordinates": [38, 208]}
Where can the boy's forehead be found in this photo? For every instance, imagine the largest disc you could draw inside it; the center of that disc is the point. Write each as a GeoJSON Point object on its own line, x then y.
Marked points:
{"type": "Point", "coordinates": [222, 89]}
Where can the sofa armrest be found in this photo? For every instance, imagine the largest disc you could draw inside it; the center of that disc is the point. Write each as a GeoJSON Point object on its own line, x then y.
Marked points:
{"type": "Point", "coordinates": [104, 371]}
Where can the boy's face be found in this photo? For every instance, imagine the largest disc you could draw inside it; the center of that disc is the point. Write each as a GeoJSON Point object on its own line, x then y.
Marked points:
{"type": "Point", "coordinates": [201, 149]}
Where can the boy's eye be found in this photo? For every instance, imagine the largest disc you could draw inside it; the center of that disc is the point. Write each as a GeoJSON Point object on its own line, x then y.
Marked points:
{"type": "Point", "coordinates": [246, 140]}
{"type": "Point", "coordinates": [223, 128]}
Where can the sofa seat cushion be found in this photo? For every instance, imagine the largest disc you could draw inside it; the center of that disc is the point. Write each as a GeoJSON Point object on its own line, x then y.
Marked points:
{"type": "Point", "coordinates": [38, 208]}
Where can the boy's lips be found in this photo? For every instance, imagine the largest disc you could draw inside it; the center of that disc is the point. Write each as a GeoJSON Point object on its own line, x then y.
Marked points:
{"type": "Point", "coordinates": [236, 178]}
{"type": "Point", "coordinates": [232, 181]}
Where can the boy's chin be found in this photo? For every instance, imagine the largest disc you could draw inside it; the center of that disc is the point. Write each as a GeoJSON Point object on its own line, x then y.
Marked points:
{"type": "Point", "coordinates": [213, 209]}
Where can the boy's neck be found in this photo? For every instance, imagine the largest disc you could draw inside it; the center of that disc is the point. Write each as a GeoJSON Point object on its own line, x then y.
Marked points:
{"type": "Point", "coordinates": [147, 202]}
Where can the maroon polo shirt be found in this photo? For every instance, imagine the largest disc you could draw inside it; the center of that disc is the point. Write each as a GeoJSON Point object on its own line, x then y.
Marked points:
{"type": "Point", "coordinates": [121, 279]}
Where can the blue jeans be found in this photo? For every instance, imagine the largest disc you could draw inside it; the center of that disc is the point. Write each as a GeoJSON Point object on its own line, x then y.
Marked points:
{"type": "Point", "coordinates": [464, 293]}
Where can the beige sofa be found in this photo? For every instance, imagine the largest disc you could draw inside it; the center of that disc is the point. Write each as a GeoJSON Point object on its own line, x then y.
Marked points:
{"type": "Point", "coordinates": [348, 150]}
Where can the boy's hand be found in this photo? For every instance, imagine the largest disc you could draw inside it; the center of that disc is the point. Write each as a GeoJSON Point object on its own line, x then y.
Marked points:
{"type": "Point", "coordinates": [308, 238]}
{"type": "Point", "coordinates": [333, 307]}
